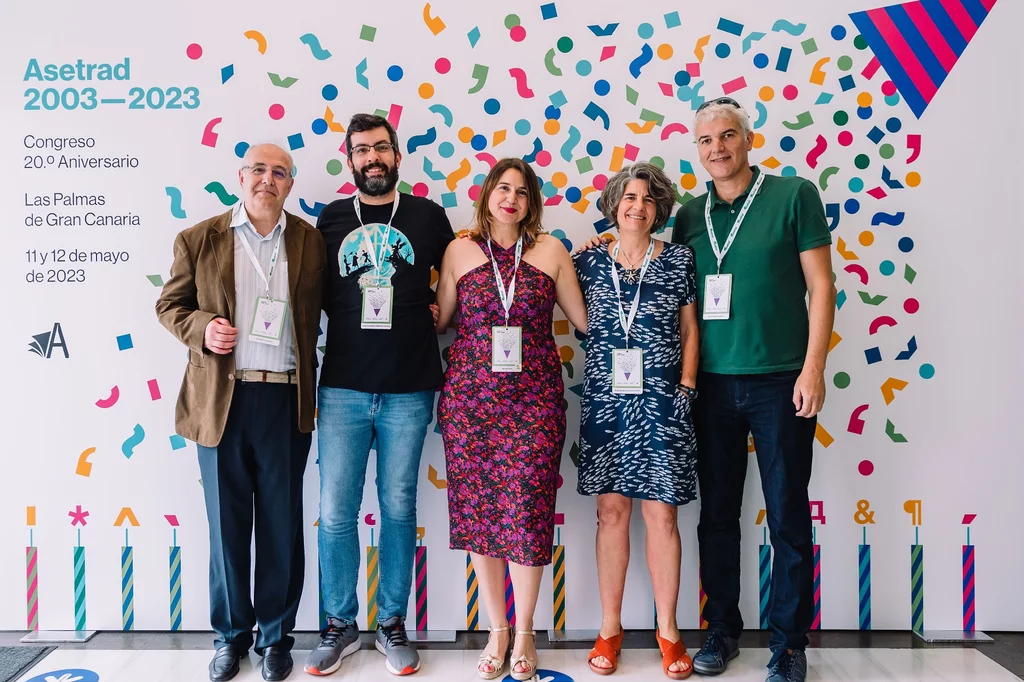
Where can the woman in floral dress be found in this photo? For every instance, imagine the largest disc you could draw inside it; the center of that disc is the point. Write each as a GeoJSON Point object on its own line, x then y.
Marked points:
{"type": "Point", "coordinates": [501, 408]}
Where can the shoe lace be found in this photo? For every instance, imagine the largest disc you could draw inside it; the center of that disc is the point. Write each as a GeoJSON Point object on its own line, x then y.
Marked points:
{"type": "Point", "coordinates": [396, 635]}
{"type": "Point", "coordinates": [712, 645]}
{"type": "Point", "coordinates": [783, 665]}
{"type": "Point", "coordinates": [329, 636]}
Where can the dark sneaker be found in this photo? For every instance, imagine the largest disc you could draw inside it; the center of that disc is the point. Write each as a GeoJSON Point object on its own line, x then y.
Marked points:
{"type": "Point", "coordinates": [788, 666]}
{"type": "Point", "coordinates": [393, 642]}
{"type": "Point", "coordinates": [338, 640]}
{"type": "Point", "coordinates": [714, 656]}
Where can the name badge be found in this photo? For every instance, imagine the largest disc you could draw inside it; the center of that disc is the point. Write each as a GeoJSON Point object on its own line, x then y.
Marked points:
{"type": "Point", "coordinates": [377, 306]}
{"type": "Point", "coordinates": [717, 296]}
{"type": "Point", "coordinates": [628, 371]}
{"type": "Point", "coordinates": [506, 349]}
{"type": "Point", "coordinates": [268, 321]}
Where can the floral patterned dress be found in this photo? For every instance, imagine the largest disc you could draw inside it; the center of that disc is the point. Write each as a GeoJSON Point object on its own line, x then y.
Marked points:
{"type": "Point", "coordinates": [503, 431]}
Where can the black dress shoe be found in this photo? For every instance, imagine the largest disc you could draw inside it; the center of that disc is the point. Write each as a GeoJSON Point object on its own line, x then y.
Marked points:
{"type": "Point", "coordinates": [277, 663]}
{"type": "Point", "coordinates": [224, 665]}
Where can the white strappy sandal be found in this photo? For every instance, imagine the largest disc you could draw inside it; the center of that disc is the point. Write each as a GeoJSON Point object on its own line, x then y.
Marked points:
{"type": "Point", "coordinates": [531, 665]}
{"type": "Point", "coordinates": [496, 665]}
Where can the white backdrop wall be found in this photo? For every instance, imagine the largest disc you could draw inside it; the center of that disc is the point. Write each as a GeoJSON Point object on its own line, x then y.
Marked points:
{"type": "Point", "coordinates": [263, 73]}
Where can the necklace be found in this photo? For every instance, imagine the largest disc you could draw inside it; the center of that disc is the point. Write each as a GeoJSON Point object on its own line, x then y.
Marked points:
{"type": "Point", "coordinates": [631, 273]}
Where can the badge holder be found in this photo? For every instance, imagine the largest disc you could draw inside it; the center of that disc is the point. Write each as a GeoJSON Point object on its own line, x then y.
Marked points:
{"type": "Point", "coordinates": [268, 321]}
{"type": "Point", "coordinates": [506, 349]}
{"type": "Point", "coordinates": [378, 304]}
{"type": "Point", "coordinates": [628, 371]}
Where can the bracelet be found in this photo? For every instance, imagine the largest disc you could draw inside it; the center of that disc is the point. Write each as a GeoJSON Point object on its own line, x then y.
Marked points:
{"type": "Point", "coordinates": [690, 391]}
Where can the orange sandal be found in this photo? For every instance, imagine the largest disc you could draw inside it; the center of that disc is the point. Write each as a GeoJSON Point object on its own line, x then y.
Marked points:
{"type": "Point", "coordinates": [609, 648]}
{"type": "Point", "coordinates": [674, 653]}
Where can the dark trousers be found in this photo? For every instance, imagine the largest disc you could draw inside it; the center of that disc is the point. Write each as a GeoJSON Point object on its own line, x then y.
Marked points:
{"type": "Point", "coordinates": [730, 407]}
{"type": "Point", "coordinates": [257, 465]}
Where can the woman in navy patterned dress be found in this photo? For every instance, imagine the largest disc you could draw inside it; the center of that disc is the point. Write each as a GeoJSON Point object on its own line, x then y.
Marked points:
{"type": "Point", "coordinates": [503, 431]}
{"type": "Point", "coordinates": [636, 436]}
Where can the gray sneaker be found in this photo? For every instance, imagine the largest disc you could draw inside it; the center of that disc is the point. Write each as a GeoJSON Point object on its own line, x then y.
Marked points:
{"type": "Point", "coordinates": [338, 640]}
{"type": "Point", "coordinates": [394, 643]}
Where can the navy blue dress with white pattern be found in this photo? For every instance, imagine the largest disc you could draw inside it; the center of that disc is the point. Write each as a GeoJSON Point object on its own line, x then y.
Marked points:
{"type": "Point", "coordinates": [641, 446]}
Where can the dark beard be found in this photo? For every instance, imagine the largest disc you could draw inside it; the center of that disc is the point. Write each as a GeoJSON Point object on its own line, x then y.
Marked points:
{"type": "Point", "coordinates": [377, 186]}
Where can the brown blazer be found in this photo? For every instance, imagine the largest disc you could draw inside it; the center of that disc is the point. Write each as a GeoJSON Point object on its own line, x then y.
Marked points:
{"type": "Point", "coordinates": [202, 287]}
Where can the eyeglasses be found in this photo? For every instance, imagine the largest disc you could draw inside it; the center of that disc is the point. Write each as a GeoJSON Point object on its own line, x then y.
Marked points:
{"type": "Point", "coordinates": [260, 169]}
{"type": "Point", "coordinates": [380, 148]}
{"type": "Point", "coordinates": [720, 100]}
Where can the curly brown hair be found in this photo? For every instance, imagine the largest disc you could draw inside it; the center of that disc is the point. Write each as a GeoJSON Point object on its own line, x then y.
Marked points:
{"type": "Point", "coordinates": [530, 227]}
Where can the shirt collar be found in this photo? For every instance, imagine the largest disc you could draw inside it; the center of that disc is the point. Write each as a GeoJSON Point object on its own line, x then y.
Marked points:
{"type": "Point", "coordinates": [753, 179]}
{"type": "Point", "coordinates": [240, 217]}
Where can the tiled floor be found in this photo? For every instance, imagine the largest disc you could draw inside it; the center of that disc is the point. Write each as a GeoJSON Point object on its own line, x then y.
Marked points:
{"type": "Point", "coordinates": [557, 665]}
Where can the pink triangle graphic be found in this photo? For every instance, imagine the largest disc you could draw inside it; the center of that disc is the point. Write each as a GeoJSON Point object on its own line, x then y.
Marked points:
{"type": "Point", "coordinates": [717, 299]}
{"type": "Point", "coordinates": [376, 312]}
{"type": "Point", "coordinates": [507, 352]}
{"type": "Point", "coordinates": [266, 325]}
{"type": "Point", "coordinates": [627, 375]}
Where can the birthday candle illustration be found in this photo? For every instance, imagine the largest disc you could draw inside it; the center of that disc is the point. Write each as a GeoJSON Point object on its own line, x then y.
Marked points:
{"type": "Point", "coordinates": [816, 622]}
{"type": "Point", "coordinates": [420, 581]}
{"type": "Point", "coordinates": [968, 576]}
{"type": "Point", "coordinates": [127, 571]}
{"type": "Point", "coordinates": [558, 583]}
{"type": "Point", "coordinates": [764, 564]}
{"type": "Point", "coordinates": [864, 516]}
{"type": "Point", "coordinates": [174, 573]}
{"type": "Point", "coordinates": [864, 582]}
{"type": "Point", "coordinates": [127, 585]}
{"type": "Point", "coordinates": [472, 597]}
{"type": "Point", "coordinates": [78, 518]}
{"type": "Point", "coordinates": [510, 599]}
{"type": "Point", "coordinates": [702, 598]}
{"type": "Point", "coordinates": [372, 582]}
{"type": "Point", "coordinates": [913, 507]}
{"type": "Point", "coordinates": [31, 573]}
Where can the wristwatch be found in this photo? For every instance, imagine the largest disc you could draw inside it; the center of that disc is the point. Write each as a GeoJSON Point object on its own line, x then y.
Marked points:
{"type": "Point", "coordinates": [690, 391]}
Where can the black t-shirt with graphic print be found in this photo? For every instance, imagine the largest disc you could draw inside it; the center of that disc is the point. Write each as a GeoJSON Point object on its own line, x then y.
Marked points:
{"type": "Point", "coordinates": [405, 358]}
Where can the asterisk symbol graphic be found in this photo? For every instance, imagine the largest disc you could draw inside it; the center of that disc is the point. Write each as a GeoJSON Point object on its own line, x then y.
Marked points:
{"type": "Point", "coordinates": [78, 516]}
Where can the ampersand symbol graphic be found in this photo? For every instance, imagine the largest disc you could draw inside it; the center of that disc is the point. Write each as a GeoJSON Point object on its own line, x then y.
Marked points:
{"type": "Point", "coordinates": [864, 515]}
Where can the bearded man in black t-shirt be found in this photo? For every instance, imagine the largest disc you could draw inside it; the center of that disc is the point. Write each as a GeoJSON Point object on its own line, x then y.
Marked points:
{"type": "Point", "coordinates": [381, 369]}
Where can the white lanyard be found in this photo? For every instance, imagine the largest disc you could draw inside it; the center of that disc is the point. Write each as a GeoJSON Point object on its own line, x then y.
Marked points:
{"type": "Point", "coordinates": [376, 256]}
{"type": "Point", "coordinates": [266, 277]}
{"type": "Point", "coordinates": [720, 253]}
{"type": "Point", "coordinates": [506, 296]}
{"type": "Point", "coordinates": [627, 322]}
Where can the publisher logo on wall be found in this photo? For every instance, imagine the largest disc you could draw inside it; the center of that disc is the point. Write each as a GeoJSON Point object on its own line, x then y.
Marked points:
{"type": "Point", "coordinates": [44, 344]}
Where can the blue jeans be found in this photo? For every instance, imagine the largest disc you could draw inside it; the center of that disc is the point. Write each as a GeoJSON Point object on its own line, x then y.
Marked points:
{"type": "Point", "coordinates": [349, 422]}
{"type": "Point", "coordinates": [730, 407]}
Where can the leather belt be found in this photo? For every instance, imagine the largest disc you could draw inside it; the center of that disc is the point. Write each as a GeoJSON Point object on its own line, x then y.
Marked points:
{"type": "Point", "coordinates": [265, 377]}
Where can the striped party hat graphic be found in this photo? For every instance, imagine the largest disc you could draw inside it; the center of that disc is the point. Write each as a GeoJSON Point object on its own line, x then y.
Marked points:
{"type": "Point", "coordinates": [918, 43]}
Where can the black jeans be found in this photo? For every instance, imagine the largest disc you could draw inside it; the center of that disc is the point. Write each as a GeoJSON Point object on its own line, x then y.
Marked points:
{"type": "Point", "coordinates": [730, 407]}
{"type": "Point", "coordinates": [257, 466]}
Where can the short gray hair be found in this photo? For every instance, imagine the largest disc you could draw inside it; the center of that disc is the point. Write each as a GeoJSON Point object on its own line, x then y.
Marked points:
{"type": "Point", "coordinates": [658, 186]}
{"type": "Point", "coordinates": [724, 110]}
{"type": "Point", "coordinates": [291, 161]}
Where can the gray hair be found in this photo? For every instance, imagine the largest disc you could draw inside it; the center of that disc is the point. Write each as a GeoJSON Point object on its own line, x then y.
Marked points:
{"type": "Point", "coordinates": [658, 186]}
{"type": "Point", "coordinates": [291, 162]}
{"type": "Point", "coordinates": [724, 110]}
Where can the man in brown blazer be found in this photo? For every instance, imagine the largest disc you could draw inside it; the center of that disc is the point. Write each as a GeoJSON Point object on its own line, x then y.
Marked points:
{"type": "Point", "coordinates": [244, 295]}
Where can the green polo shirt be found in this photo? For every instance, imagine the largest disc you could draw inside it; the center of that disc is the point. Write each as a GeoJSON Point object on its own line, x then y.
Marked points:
{"type": "Point", "coordinates": [767, 326]}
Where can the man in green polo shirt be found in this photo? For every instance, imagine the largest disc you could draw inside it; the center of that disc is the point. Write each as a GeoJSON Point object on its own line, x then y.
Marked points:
{"type": "Point", "coordinates": [762, 245]}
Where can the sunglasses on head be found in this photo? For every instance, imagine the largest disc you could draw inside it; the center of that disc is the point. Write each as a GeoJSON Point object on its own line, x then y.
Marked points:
{"type": "Point", "coordinates": [720, 100]}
